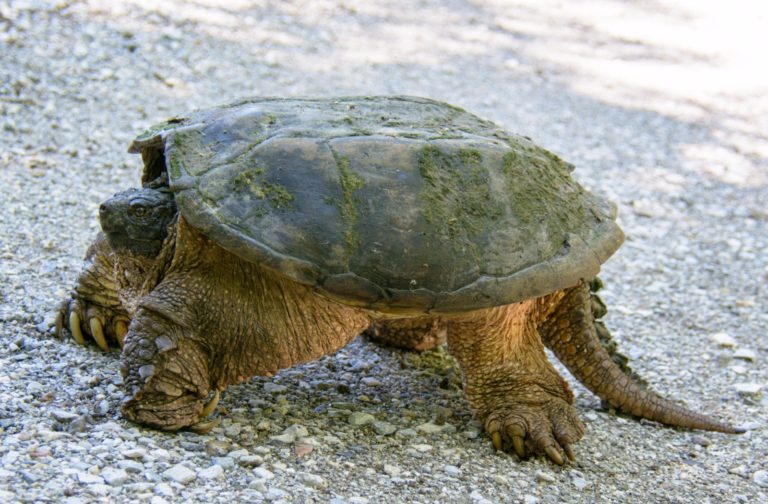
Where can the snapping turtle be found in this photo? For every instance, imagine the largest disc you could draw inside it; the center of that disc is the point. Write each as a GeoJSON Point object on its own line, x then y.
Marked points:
{"type": "Point", "coordinates": [273, 231]}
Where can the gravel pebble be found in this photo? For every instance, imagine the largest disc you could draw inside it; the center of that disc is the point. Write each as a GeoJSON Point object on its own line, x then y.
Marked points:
{"type": "Point", "coordinates": [210, 473]}
{"type": "Point", "coordinates": [180, 474]}
{"type": "Point", "coordinates": [358, 419]}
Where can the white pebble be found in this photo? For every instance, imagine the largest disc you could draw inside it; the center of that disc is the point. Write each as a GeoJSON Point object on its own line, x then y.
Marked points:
{"type": "Point", "coordinates": [451, 470]}
{"type": "Point", "coordinates": [761, 478]}
{"type": "Point", "coordinates": [745, 354]}
{"type": "Point", "coordinates": [725, 340]}
{"type": "Point", "coordinates": [391, 470]}
{"type": "Point", "coordinates": [311, 480]}
{"type": "Point", "coordinates": [86, 478]}
{"type": "Point", "coordinates": [748, 388]}
{"type": "Point", "coordinates": [213, 472]}
{"type": "Point", "coordinates": [114, 476]}
{"type": "Point", "coordinates": [180, 474]}
{"type": "Point", "coordinates": [263, 473]}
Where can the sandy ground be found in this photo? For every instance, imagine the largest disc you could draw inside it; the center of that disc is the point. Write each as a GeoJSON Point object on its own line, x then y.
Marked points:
{"type": "Point", "coordinates": [660, 104]}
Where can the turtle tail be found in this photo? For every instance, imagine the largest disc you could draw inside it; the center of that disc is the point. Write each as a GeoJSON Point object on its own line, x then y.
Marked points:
{"type": "Point", "coordinates": [574, 336]}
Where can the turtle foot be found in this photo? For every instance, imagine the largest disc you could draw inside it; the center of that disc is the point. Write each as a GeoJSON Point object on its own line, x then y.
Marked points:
{"type": "Point", "coordinates": [546, 425]}
{"type": "Point", "coordinates": [86, 320]}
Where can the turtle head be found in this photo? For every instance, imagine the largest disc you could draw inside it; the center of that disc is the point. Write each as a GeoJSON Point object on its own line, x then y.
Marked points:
{"type": "Point", "coordinates": [137, 220]}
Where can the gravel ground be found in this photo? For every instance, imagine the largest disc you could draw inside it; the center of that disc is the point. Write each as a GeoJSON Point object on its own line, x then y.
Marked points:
{"type": "Point", "coordinates": [658, 103]}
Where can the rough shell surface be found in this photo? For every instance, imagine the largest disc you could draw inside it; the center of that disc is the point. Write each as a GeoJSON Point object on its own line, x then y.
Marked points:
{"type": "Point", "coordinates": [397, 204]}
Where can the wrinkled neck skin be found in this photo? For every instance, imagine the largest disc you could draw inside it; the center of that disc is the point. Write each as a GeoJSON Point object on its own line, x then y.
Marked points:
{"type": "Point", "coordinates": [136, 275]}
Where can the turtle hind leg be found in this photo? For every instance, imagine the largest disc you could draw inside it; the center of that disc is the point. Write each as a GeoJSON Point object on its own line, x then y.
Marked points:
{"type": "Point", "coordinates": [524, 404]}
{"type": "Point", "coordinates": [418, 333]}
{"type": "Point", "coordinates": [569, 330]}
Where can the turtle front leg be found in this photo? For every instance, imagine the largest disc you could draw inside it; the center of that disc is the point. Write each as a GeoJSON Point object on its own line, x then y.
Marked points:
{"type": "Point", "coordinates": [524, 404]}
{"type": "Point", "coordinates": [94, 310]}
{"type": "Point", "coordinates": [166, 373]}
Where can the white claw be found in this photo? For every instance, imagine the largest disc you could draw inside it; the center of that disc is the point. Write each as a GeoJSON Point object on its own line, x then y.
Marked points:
{"type": "Point", "coordinates": [74, 328]}
{"type": "Point", "coordinates": [121, 328]}
{"type": "Point", "coordinates": [208, 408]}
{"type": "Point", "coordinates": [97, 331]}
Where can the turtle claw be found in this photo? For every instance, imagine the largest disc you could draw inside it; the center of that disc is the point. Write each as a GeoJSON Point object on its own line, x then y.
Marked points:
{"type": "Point", "coordinates": [210, 405]}
{"type": "Point", "coordinates": [554, 455]}
{"type": "Point", "coordinates": [97, 331]}
{"type": "Point", "coordinates": [204, 427]}
{"type": "Point", "coordinates": [496, 440]}
{"type": "Point", "coordinates": [74, 328]}
{"type": "Point", "coordinates": [121, 329]}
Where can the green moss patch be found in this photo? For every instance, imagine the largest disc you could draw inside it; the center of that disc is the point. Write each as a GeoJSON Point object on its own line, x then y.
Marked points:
{"type": "Point", "coordinates": [252, 181]}
{"type": "Point", "coordinates": [457, 197]}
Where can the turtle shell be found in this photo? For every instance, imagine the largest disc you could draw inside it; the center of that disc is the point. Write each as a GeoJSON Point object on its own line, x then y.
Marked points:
{"type": "Point", "coordinates": [397, 204]}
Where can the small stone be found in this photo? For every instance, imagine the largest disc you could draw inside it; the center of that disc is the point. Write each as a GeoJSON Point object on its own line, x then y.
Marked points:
{"type": "Point", "coordinates": [761, 478]}
{"type": "Point", "coordinates": [500, 480]}
{"type": "Point", "coordinates": [422, 447]}
{"type": "Point", "coordinates": [114, 476]}
{"type": "Point", "coordinates": [407, 433]}
{"type": "Point", "coordinates": [745, 354]}
{"type": "Point", "coordinates": [748, 388]}
{"type": "Point", "coordinates": [580, 483]}
{"type": "Point", "coordinates": [530, 499]}
{"type": "Point", "coordinates": [451, 470]}
{"type": "Point", "coordinates": [131, 466]}
{"type": "Point", "coordinates": [724, 340]}
{"type": "Point", "coordinates": [134, 453]}
{"type": "Point", "coordinates": [156, 499]}
{"type": "Point", "coordinates": [274, 388]}
{"type": "Point", "coordinates": [225, 462]}
{"type": "Point", "coordinates": [233, 430]}
{"type": "Point", "coordinates": [263, 473]}
{"type": "Point", "coordinates": [302, 450]}
{"type": "Point", "coordinates": [543, 477]}
{"type": "Point", "coordinates": [163, 489]}
{"type": "Point", "coordinates": [311, 480]}
{"type": "Point", "coordinates": [63, 416]}
{"type": "Point", "coordinates": [478, 498]}
{"type": "Point", "coordinates": [290, 434]}
{"type": "Point", "coordinates": [237, 454]}
{"type": "Point", "coordinates": [250, 460]}
{"type": "Point", "coordinates": [86, 478]}
{"type": "Point", "coordinates": [160, 454]}
{"type": "Point", "coordinates": [701, 440]}
{"type": "Point", "coordinates": [429, 428]}
{"type": "Point", "coordinates": [383, 428]}
{"type": "Point", "coordinates": [357, 418]}
{"type": "Point", "coordinates": [391, 470]}
{"type": "Point", "coordinates": [217, 447]}
{"type": "Point", "coordinates": [180, 474]}
{"type": "Point", "coordinates": [276, 494]}
{"type": "Point", "coordinates": [213, 472]}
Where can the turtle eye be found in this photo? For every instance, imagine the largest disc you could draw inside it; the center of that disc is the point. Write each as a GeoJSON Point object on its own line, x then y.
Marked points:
{"type": "Point", "coordinates": [138, 210]}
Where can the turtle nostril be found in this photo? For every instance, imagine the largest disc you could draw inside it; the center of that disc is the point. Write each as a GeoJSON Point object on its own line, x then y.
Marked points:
{"type": "Point", "coordinates": [102, 208]}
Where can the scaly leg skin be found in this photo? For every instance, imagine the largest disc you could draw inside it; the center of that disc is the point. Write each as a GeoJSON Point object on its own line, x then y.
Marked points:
{"type": "Point", "coordinates": [511, 386]}
{"type": "Point", "coordinates": [94, 310]}
{"type": "Point", "coordinates": [166, 374]}
{"type": "Point", "coordinates": [418, 333]}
